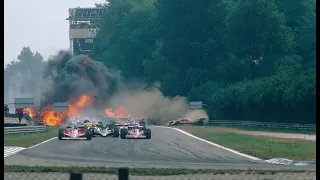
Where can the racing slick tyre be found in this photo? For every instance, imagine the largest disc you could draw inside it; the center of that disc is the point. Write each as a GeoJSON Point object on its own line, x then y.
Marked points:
{"type": "Point", "coordinates": [60, 134]}
{"type": "Point", "coordinates": [143, 124]}
{"type": "Point", "coordinates": [201, 123]}
{"type": "Point", "coordinates": [91, 130]}
{"type": "Point", "coordinates": [123, 133]}
{"type": "Point", "coordinates": [89, 135]}
{"type": "Point", "coordinates": [115, 132]}
{"type": "Point", "coordinates": [148, 133]}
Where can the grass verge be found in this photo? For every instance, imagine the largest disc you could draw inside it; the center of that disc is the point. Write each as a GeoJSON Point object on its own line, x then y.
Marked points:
{"type": "Point", "coordinates": [258, 146]}
{"type": "Point", "coordinates": [135, 171]}
{"type": "Point", "coordinates": [29, 139]}
{"type": "Point", "coordinates": [280, 130]}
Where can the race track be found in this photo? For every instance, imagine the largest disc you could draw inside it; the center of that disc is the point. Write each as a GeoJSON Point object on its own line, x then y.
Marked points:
{"type": "Point", "coordinates": [167, 148]}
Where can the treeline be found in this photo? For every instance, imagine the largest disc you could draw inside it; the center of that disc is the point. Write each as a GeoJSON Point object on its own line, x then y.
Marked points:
{"type": "Point", "coordinates": [246, 59]}
{"type": "Point", "coordinates": [22, 75]}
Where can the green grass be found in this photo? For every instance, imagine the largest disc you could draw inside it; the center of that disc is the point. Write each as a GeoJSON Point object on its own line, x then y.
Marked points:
{"type": "Point", "coordinates": [29, 139]}
{"type": "Point", "coordinates": [137, 171]}
{"type": "Point", "coordinates": [258, 146]}
{"type": "Point", "coordinates": [281, 130]}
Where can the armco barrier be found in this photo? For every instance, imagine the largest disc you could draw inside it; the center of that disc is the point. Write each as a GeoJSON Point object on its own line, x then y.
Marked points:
{"type": "Point", "coordinates": [263, 124]}
{"type": "Point", "coordinates": [24, 129]}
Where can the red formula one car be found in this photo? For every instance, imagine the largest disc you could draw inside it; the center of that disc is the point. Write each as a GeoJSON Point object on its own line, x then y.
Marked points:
{"type": "Point", "coordinates": [187, 121]}
{"type": "Point", "coordinates": [135, 132]}
{"type": "Point", "coordinates": [74, 132]}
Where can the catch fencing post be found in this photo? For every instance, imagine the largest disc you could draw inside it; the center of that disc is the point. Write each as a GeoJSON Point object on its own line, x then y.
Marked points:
{"type": "Point", "coordinates": [123, 174]}
{"type": "Point", "coordinates": [75, 176]}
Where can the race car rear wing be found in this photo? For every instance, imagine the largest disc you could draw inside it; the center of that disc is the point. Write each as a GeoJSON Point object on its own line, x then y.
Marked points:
{"type": "Point", "coordinates": [135, 126]}
{"type": "Point", "coordinates": [120, 125]}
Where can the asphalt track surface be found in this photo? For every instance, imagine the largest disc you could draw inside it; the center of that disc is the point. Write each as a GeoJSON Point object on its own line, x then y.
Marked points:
{"type": "Point", "coordinates": [167, 148]}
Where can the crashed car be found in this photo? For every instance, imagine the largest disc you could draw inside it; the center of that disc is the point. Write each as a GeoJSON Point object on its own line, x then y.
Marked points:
{"type": "Point", "coordinates": [74, 132]}
{"type": "Point", "coordinates": [135, 132]}
{"type": "Point", "coordinates": [187, 121]}
{"type": "Point", "coordinates": [104, 130]}
{"type": "Point", "coordinates": [199, 122]}
{"type": "Point", "coordinates": [180, 121]}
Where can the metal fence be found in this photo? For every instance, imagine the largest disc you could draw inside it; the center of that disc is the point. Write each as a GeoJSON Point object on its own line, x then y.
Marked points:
{"type": "Point", "coordinates": [24, 129]}
{"type": "Point", "coordinates": [123, 174]}
{"type": "Point", "coordinates": [263, 124]}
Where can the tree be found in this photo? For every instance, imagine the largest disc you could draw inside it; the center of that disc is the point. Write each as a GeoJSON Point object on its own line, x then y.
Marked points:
{"type": "Point", "coordinates": [301, 17]}
{"type": "Point", "coordinates": [192, 44]}
{"type": "Point", "coordinates": [245, 58]}
{"type": "Point", "coordinates": [24, 73]}
{"type": "Point", "coordinates": [127, 36]}
{"type": "Point", "coordinates": [257, 33]}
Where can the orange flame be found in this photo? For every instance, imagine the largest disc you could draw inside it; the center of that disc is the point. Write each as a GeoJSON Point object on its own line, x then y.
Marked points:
{"type": "Point", "coordinates": [31, 112]}
{"type": "Point", "coordinates": [119, 112]}
{"type": "Point", "coordinates": [52, 118]}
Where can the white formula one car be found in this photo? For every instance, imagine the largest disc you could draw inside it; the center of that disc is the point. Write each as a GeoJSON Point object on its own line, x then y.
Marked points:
{"type": "Point", "coordinates": [135, 132]}
{"type": "Point", "coordinates": [105, 130]}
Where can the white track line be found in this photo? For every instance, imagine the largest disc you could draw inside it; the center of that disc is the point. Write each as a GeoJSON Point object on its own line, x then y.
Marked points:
{"type": "Point", "coordinates": [282, 161]}
{"type": "Point", "coordinates": [42, 142]}
{"type": "Point", "coordinates": [214, 144]}
{"type": "Point", "coordinates": [8, 151]}
{"type": "Point", "coordinates": [11, 150]}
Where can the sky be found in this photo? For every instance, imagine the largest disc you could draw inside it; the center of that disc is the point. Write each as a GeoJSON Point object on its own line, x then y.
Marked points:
{"type": "Point", "coordinates": [38, 24]}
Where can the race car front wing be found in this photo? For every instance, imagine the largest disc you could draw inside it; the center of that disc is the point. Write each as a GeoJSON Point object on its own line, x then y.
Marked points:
{"type": "Point", "coordinates": [134, 137]}
{"type": "Point", "coordinates": [74, 138]}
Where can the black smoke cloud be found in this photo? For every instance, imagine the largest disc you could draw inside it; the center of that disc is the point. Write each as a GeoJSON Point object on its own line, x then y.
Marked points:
{"type": "Point", "coordinates": [71, 76]}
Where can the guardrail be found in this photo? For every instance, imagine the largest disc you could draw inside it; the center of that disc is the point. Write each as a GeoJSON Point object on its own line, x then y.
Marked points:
{"type": "Point", "coordinates": [263, 124]}
{"type": "Point", "coordinates": [24, 129]}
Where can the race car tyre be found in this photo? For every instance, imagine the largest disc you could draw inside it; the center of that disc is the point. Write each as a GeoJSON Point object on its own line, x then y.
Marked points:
{"type": "Point", "coordinates": [89, 135]}
{"type": "Point", "coordinates": [178, 123]}
{"type": "Point", "coordinates": [92, 132]}
{"type": "Point", "coordinates": [123, 133]}
{"type": "Point", "coordinates": [60, 134]}
{"type": "Point", "coordinates": [115, 132]}
{"type": "Point", "coordinates": [143, 124]}
{"type": "Point", "coordinates": [148, 134]}
{"type": "Point", "coordinates": [201, 123]}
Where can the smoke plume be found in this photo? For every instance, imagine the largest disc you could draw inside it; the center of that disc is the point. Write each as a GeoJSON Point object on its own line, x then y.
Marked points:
{"type": "Point", "coordinates": [153, 105]}
{"type": "Point", "coordinates": [68, 77]}
{"type": "Point", "coordinates": [71, 76]}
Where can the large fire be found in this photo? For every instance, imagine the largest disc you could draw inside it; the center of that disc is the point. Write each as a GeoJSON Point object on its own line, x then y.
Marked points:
{"type": "Point", "coordinates": [52, 118]}
{"type": "Point", "coordinates": [31, 112]}
{"type": "Point", "coordinates": [119, 112]}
